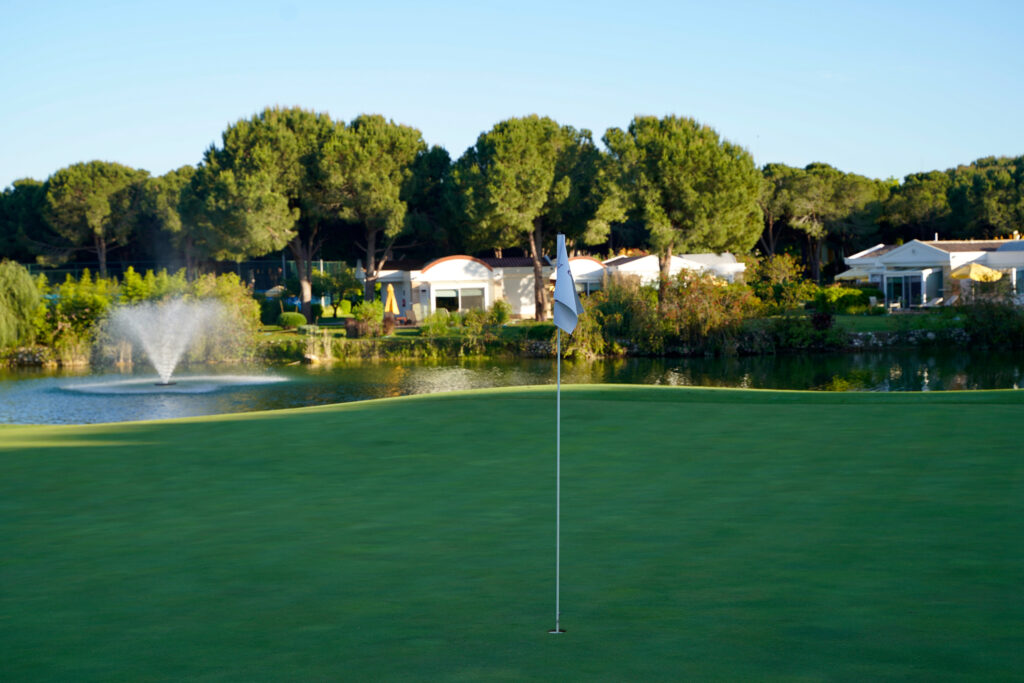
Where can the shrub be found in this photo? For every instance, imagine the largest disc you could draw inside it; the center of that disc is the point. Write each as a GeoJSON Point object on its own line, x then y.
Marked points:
{"type": "Point", "coordinates": [436, 324]}
{"type": "Point", "coordinates": [316, 311]}
{"type": "Point", "coordinates": [628, 312]}
{"type": "Point", "coordinates": [994, 324]}
{"type": "Point", "coordinates": [838, 299]}
{"type": "Point", "coordinates": [587, 340]}
{"type": "Point", "coordinates": [500, 313]}
{"type": "Point", "coordinates": [19, 305]}
{"type": "Point", "coordinates": [77, 306]}
{"type": "Point", "coordinates": [370, 315]}
{"type": "Point", "coordinates": [473, 322]}
{"type": "Point", "coordinates": [290, 319]}
{"type": "Point", "coordinates": [270, 310]}
{"type": "Point", "coordinates": [705, 312]}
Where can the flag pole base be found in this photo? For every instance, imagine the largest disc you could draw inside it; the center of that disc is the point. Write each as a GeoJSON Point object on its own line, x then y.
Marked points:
{"type": "Point", "coordinates": [557, 630]}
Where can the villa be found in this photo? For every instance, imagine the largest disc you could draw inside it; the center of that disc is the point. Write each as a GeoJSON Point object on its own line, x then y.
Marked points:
{"type": "Point", "coordinates": [724, 266]}
{"type": "Point", "coordinates": [921, 273]}
{"type": "Point", "coordinates": [461, 283]}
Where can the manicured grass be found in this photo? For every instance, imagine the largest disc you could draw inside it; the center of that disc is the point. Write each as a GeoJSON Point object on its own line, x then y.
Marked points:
{"type": "Point", "coordinates": [707, 535]}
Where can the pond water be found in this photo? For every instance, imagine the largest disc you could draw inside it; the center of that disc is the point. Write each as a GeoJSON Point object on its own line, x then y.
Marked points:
{"type": "Point", "coordinates": [47, 397]}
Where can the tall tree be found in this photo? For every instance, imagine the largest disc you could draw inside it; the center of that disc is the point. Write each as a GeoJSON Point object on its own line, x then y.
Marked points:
{"type": "Point", "coordinates": [857, 209]}
{"type": "Point", "coordinates": [775, 200]}
{"type": "Point", "coordinates": [827, 203]}
{"type": "Point", "coordinates": [257, 192]}
{"type": "Point", "coordinates": [694, 191]}
{"type": "Point", "coordinates": [429, 199]}
{"type": "Point", "coordinates": [919, 206]}
{"type": "Point", "coordinates": [89, 207]}
{"type": "Point", "coordinates": [363, 179]}
{"type": "Point", "coordinates": [22, 226]}
{"type": "Point", "coordinates": [524, 179]}
{"type": "Point", "coordinates": [987, 196]}
{"type": "Point", "coordinates": [159, 216]}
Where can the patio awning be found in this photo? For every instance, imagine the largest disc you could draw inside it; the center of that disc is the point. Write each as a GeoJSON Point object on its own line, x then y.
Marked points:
{"type": "Point", "coordinates": [976, 272]}
{"type": "Point", "coordinates": [857, 274]}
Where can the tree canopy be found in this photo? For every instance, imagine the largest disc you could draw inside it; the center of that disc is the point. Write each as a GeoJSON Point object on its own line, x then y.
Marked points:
{"type": "Point", "coordinates": [89, 207]}
{"type": "Point", "coordinates": [523, 180]}
{"type": "Point", "coordinates": [292, 179]}
{"type": "Point", "coordinates": [693, 190]}
{"type": "Point", "coordinates": [365, 172]}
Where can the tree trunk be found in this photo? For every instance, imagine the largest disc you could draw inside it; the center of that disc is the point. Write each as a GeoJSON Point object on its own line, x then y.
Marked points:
{"type": "Point", "coordinates": [665, 268]}
{"type": "Point", "coordinates": [814, 257]}
{"type": "Point", "coordinates": [768, 237]}
{"type": "Point", "coordinates": [191, 265]}
{"type": "Point", "coordinates": [101, 254]}
{"type": "Point", "coordinates": [539, 298]}
{"type": "Point", "coordinates": [303, 252]}
{"type": "Point", "coordinates": [371, 265]}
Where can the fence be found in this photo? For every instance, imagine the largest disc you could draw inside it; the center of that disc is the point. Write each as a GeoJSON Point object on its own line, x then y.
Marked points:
{"type": "Point", "coordinates": [260, 275]}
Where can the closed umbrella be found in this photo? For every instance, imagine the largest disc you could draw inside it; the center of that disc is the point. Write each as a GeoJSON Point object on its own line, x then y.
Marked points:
{"type": "Point", "coordinates": [976, 272]}
{"type": "Point", "coordinates": [390, 310]}
{"type": "Point", "coordinates": [391, 305]}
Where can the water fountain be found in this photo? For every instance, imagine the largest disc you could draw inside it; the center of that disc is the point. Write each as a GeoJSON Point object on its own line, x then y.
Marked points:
{"type": "Point", "coordinates": [164, 330]}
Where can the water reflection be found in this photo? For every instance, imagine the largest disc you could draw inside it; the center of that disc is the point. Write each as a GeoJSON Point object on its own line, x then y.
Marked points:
{"type": "Point", "coordinates": [35, 396]}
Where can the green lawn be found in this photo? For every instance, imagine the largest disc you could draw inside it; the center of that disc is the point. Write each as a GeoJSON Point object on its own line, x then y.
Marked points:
{"type": "Point", "coordinates": [707, 535]}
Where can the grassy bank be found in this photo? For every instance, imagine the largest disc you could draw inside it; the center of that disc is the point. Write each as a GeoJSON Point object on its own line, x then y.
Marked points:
{"type": "Point", "coordinates": [708, 534]}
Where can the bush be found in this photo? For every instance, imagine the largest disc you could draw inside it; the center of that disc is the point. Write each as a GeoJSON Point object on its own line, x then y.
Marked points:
{"type": "Point", "coordinates": [500, 313]}
{"type": "Point", "coordinates": [994, 324]}
{"type": "Point", "coordinates": [290, 319]}
{"type": "Point", "coordinates": [629, 312]}
{"type": "Point", "coordinates": [370, 315]}
{"type": "Point", "coordinates": [704, 312]}
{"type": "Point", "coordinates": [473, 322]}
{"type": "Point", "coordinates": [436, 324]}
{"type": "Point", "coordinates": [270, 311]}
{"type": "Point", "coordinates": [838, 299]}
{"type": "Point", "coordinates": [19, 305]}
{"type": "Point", "coordinates": [316, 311]}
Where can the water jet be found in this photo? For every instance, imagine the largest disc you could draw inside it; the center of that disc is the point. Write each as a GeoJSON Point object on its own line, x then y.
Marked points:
{"type": "Point", "coordinates": [165, 330]}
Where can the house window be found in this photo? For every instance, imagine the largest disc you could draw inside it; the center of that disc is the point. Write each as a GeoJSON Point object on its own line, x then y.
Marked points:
{"type": "Point", "coordinates": [472, 299]}
{"type": "Point", "coordinates": [906, 290]}
{"type": "Point", "coordinates": [459, 299]}
{"type": "Point", "coordinates": [447, 299]}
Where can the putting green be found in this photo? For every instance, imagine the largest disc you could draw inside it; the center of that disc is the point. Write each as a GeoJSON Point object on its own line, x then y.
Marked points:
{"type": "Point", "coordinates": [707, 534]}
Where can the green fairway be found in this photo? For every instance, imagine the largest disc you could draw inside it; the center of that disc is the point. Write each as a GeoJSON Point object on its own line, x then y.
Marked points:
{"type": "Point", "coordinates": [707, 535]}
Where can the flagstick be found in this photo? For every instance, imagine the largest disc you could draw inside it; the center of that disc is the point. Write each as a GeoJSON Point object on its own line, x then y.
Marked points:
{"type": "Point", "coordinates": [558, 478]}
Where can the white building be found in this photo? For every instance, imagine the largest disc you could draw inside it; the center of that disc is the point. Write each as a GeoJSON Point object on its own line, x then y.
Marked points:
{"type": "Point", "coordinates": [724, 266]}
{"type": "Point", "coordinates": [461, 283]}
{"type": "Point", "coordinates": [919, 273]}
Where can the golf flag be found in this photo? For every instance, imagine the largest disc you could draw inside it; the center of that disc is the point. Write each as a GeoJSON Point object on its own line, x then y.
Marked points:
{"type": "Point", "coordinates": [567, 311]}
{"type": "Point", "coordinates": [567, 301]}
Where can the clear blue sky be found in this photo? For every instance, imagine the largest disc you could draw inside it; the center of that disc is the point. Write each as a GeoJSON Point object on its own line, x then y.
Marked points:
{"type": "Point", "coordinates": [878, 88]}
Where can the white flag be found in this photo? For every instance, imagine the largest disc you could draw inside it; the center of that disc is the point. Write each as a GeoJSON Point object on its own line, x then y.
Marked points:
{"type": "Point", "coordinates": [567, 301]}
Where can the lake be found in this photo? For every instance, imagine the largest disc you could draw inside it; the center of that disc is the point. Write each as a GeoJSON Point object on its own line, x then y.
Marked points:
{"type": "Point", "coordinates": [54, 397]}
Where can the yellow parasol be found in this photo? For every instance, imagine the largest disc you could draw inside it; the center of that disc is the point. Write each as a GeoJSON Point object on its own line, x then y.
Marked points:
{"type": "Point", "coordinates": [976, 272]}
{"type": "Point", "coordinates": [390, 305]}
